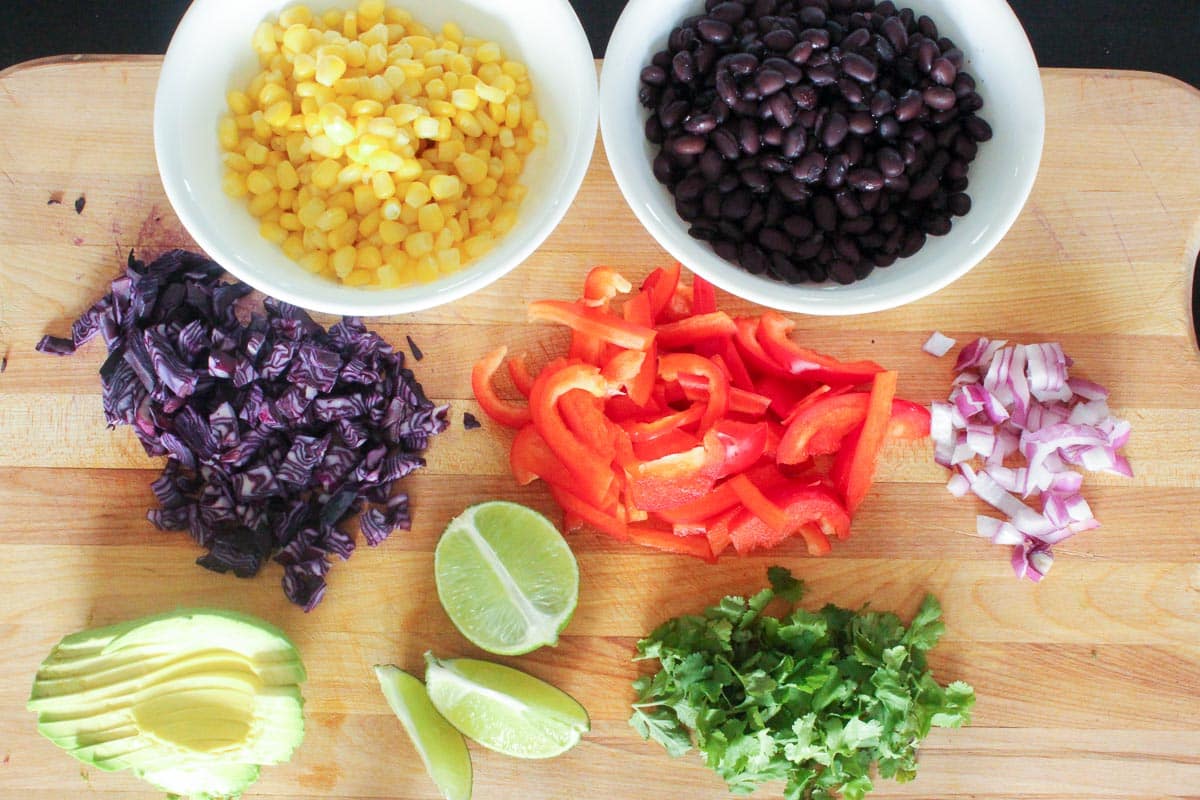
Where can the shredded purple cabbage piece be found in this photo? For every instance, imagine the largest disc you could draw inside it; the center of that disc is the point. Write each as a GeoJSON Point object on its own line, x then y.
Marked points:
{"type": "Point", "coordinates": [276, 431]}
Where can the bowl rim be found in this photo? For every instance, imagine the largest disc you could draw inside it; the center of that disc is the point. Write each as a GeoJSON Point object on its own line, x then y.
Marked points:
{"type": "Point", "coordinates": [371, 302]}
{"type": "Point", "coordinates": [797, 298]}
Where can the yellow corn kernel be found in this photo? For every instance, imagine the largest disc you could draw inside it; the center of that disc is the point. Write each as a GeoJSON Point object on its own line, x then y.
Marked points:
{"type": "Point", "coordinates": [442, 108]}
{"type": "Point", "coordinates": [340, 131]}
{"type": "Point", "coordinates": [418, 194]}
{"type": "Point", "coordinates": [389, 277]}
{"type": "Point", "coordinates": [286, 176]}
{"type": "Point", "coordinates": [507, 138]}
{"type": "Point", "coordinates": [310, 213]}
{"type": "Point", "coordinates": [238, 102]}
{"type": "Point", "coordinates": [350, 26]}
{"type": "Point", "coordinates": [425, 269]}
{"type": "Point", "coordinates": [227, 133]}
{"type": "Point", "coordinates": [349, 175]}
{"type": "Point", "coordinates": [382, 185]}
{"type": "Point", "coordinates": [409, 170]}
{"type": "Point", "coordinates": [449, 261]}
{"type": "Point", "coordinates": [443, 240]}
{"type": "Point", "coordinates": [466, 99]}
{"type": "Point", "coordinates": [384, 161]}
{"type": "Point", "coordinates": [234, 185]}
{"type": "Point", "coordinates": [260, 204]}
{"type": "Point", "coordinates": [359, 277]}
{"type": "Point", "coordinates": [459, 65]}
{"type": "Point", "coordinates": [514, 68]}
{"type": "Point", "coordinates": [391, 209]}
{"type": "Point", "coordinates": [449, 150]}
{"type": "Point", "coordinates": [332, 19]}
{"type": "Point", "coordinates": [445, 187]}
{"type": "Point", "coordinates": [516, 193]}
{"type": "Point", "coordinates": [329, 69]}
{"type": "Point", "coordinates": [368, 257]}
{"type": "Point", "coordinates": [403, 113]}
{"type": "Point", "coordinates": [278, 113]}
{"type": "Point", "coordinates": [539, 133]}
{"type": "Point", "coordinates": [346, 234]}
{"type": "Point", "coordinates": [364, 199]}
{"type": "Point", "coordinates": [325, 176]}
{"type": "Point", "coordinates": [315, 262]}
{"type": "Point", "coordinates": [295, 15]}
{"type": "Point", "coordinates": [477, 246]}
{"type": "Point", "coordinates": [366, 108]}
{"type": "Point", "coordinates": [332, 218]}
{"type": "Point", "coordinates": [486, 187]}
{"type": "Point", "coordinates": [270, 94]}
{"type": "Point", "coordinates": [237, 162]}
{"type": "Point", "coordinates": [343, 260]}
{"type": "Point", "coordinates": [255, 153]}
{"type": "Point", "coordinates": [524, 146]}
{"type": "Point", "coordinates": [297, 38]}
{"type": "Point", "coordinates": [471, 169]}
{"type": "Point", "coordinates": [356, 54]}
{"type": "Point", "coordinates": [488, 72]}
{"type": "Point", "coordinates": [392, 232]}
{"type": "Point", "coordinates": [377, 34]}
{"type": "Point", "coordinates": [263, 40]}
{"type": "Point", "coordinates": [425, 127]}
{"type": "Point", "coordinates": [382, 126]}
{"type": "Point", "coordinates": [490, 94]}
{"type": "Point", "coordinates": [293, 246]}
{"type": "Point", "coordinates": [466, 122]}
{"type": "Point", "coordinates": [505, 220]}
{"type": "Point", "coordinates": [430, 218]}
{"type": "Point", "coordinates": [408, 215]}
{"type": "Point", "coordinates": [436, 89]}
{"type": "Point", "coordinates": [487, 53]}
{"type": "Point", "coordinates": [258, 182]}
{"type": "Point", "coordinates": [290, 222]}
{"type": "Point", "coordinates": [418, 244]}
{"type": "Point", "coordinates": [368, 226]}
{"type": "Point", "coordinates": [272, 232]}
{"type": "Point", "coordinates": [287, 199]}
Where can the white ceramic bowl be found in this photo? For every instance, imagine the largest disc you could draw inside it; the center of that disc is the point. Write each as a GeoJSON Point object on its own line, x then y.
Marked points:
{"type": "Point", "coordinates": [999, 57]}
{"type": "Point", "coordinates": [211, 54]}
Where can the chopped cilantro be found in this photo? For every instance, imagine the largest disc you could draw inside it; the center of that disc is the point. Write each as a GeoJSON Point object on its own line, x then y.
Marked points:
{"type": "Point", "coordinates": [811, 698]}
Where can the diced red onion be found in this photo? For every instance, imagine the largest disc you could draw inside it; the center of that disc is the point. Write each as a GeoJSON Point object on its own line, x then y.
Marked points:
{"type": "Point", "coordinates": [938, 344]}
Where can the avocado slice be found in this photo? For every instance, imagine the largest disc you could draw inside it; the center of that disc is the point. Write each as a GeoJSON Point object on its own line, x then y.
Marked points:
{"type": "Point", "coordinates": [192, 701]}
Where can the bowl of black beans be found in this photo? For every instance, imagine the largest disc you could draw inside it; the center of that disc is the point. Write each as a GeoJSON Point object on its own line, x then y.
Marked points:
{"type": "Point", "coordinates": [823, 156]}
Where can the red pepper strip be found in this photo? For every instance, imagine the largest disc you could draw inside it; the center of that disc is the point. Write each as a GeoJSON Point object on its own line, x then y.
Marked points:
{"type": "Point", "coordinates": [694, 329]}
{"type": "Point", "coordinates": [586, 348]}
{"type": "Point", "coordinates": [503, 411]}
{"type": "Point", "coordinates": [637, 310]}
{"type": "Point", "coordinates": [689, 529]}
{"type": "Point", "coordinates": [530, 458]}
{"type": "Point", "coordinates": [673, 441]}
{"type": "Point", "coordinates": [581, 411]}
{"type": "Point", "coordinates": [822, 426]}
{"type": "Point", "coordinates": [593, 473]}
{"type": "Point", "coordinates": [720, 499]}
{"type": "Point", "coordinates": [785, 392]}
{"type": "Point", "coordinates": [749, 404]}
{"type": "Point", "coordinates": [704, 296]}
{"type": "Point", "coordinates": [861, 471]}
{"type": "Point", "coordinates": [672, 365]}
{"type": "Point", "coordinates": [518, 372]}
{"type": "Point", "coordinates": [757, 504]}
{"type": "Point", "coordinates": [679, 305]}
{"type": "Point", "coordinates": [773, 335]}
{"type": "Point", "coordinates": [735, 367]}
{"type": "Point", "coordinates": [717, 530]}
{"type": "Point", "coordinates": [660, 285]}
{"type": "Point", "coordinates": [813, 512]}
{"type": "Point", "coordinates": [620, 408]}
{"type": "Point", "coordinates": [743, 442]}
{"type": "Point", "coordinates": [667, 541]}
{"type": "Point", "coordinates": [752, 353]}
{"type": "Point", "coordinates": [676, 479]}
{"type": "Point", "coordinates": [593, 322]}
{"type": "Point", "coordinates": [602, 285]}
{"type": "Point", "coordinates": [624, 367]}
{"type": "Point", "coordinates": [643, 431]}
{"type": "Point", "coordinates": [602, 521]}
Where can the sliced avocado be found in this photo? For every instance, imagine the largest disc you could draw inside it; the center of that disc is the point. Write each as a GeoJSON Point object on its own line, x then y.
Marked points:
{"type": "Point", "coordinates": [191, 701]}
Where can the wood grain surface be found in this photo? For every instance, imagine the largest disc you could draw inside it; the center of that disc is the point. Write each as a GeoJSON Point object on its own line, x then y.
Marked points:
{"type": "Point", "coordinates": [1088, 684]}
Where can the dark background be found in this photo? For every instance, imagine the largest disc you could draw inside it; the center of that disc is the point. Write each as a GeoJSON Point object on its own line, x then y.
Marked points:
{"type": "Point", "coordinates": [1156, 35]}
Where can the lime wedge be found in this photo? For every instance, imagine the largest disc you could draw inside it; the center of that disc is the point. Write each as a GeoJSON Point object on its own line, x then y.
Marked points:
{"type": "Point", "coordinates": [504, 709]}
{"type": "Point", "coordinates": [506, 577]}
{"type": "Point", "coordinates": [442, 748]}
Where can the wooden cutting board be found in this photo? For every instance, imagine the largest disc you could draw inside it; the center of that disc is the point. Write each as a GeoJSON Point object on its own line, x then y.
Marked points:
{"type": "Point", "coordinates": [1088, 684]}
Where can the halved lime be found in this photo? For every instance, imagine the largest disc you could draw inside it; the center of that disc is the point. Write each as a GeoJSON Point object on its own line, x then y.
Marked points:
{"type": "Point", "coordinates": [440, 746]}
{"type": "Point", "coordinates": [505, 709]}
{"type": "Point", "coordinates": [506, 577]}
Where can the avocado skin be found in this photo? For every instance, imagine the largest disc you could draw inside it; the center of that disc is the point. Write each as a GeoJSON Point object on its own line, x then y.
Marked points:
{"type": "Point", "coordinates": [192, 701]}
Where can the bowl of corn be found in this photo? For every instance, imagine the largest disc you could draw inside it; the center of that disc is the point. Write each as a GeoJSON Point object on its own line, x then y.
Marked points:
{"type": "Point", "coordinates": [369, 157]}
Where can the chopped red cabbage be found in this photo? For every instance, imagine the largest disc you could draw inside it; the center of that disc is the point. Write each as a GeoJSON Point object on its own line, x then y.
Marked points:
{"type": "Point", "coordinates": [276, 431]}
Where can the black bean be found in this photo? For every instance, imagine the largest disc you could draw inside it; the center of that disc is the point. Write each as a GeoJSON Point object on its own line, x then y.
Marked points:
{"type": "Point", "coordinates": [680, 38]}
{"type": "Point", "coordinates": [809, 168]}
{"type": "Point", "coordinates": [818, 37]}
{"type": "Point", "coordinates": [923, 187]}
{"type": "Point", "coordinates": [834, 131]}
{"type": "Point", "coordinates": [851, 90]}
{"type": "Point", "coordinates": [820, 59]}
{"type": "Point", "coordinates": [752, 259]}
{"type": "Point", "coordinates": [793, 143]}
{"type": "Point", "coordinates": [939, 162]}
{"type": "Point", "coordinates": [842, 272]}
{"type": "Point", "coordinates": [732, 231]}
{"type": "Point", "coordinates": [662, 60]}
{"type": "Point", "coordinates": [835, 172]}
{"type": "Point", "coordinates": [700, 124]}
{"type": "Point", "coordinates": [897, 35]}
{"type": "Point", "coordinates": [860, 225]}
{"type": "Point", "coordinates": [725, 249]}
{"type": "Point", "coordinates": [686, 145]}
{"type": "Point", "coordinates": [856, 39]}
{"type": "Point", "coordinates": [882, 103]}
{"type": "Point", "coordinates": [705, 233]}
{"type": "Point", "coordinates": [945, 137]}
{"type": "Point", "coordinates": [756, 179]}
{"type": "Point", "coordinates": [970, 103]}
{"type": "Point", "coordinates": [772, 134]}
{"type": "Point", "coordinates": [899, 184]}
{"type": "Point", "coordinates": [939, 98]}
{"type": "Point", "coordinates": [711, 202]}
{"type": "Point", "coordinates": [886, 9]}
{"type": "Point", "coordinates": [808, 249]}
{"type": "Point", "coordinates": [805, 95]}
{"type": "Point", "coordinates": [662, 168]}
{"type": "Point", "coordinates": [780, 40]}
{"type": "Point", "coordinates": [741, 63]}
{"type": "Point", "coordinates": [811, 17]}
{"type": "Point", "coordinates": [673, 114]}
{"type": "Point", "coordinates": [705, 56]}
{"type": "Point", "coordinates": [798, 227]}
{"type": "Point", "coordinates": [936, 225]}
{"type": "Point", "coordinates": [729, 181]}
{"type": "Point", "coordinates": [654, 130]}
{"type": "Point", "coordinates": [927, 27]}
{"type": "Point", "coordinates": [725, 142]}
{"type": "Point", "coordinates": [954, 56]}
{"type": "Point", "coordinates": [748, 137]}
{"type": "Point", "coordinates": [751, 93]}
{"type": "Point", "coordinates": [861, 123]}
{"type": "Point", "coordinates": [688, 211]}
{"type": "Point", "coordinates": [942, 71]}
{"type": "Point", "coordinates": [655, 76]}
{"type": "Point", "coordinates": [736, 204]}
{"type": "Point", "coordinates": [728, 12]}
{"type": "Point", "coordinates": [977, 129]}
{"type": "Point", "coordinates": [800, 53]}
{"type": "Point", "coordinates": [889, 162]}
{"type": "Point", "coordinates": [956, 169]}
{"type": "Point", "coordinates": [847, 249]}
{"type": "Point", "coordinates": [714, 30]}
{"type": "Point", "coordinates": [773, 164]}
{"type": "Point", "coordinates": [754, 219]}
{"type": "Point", "coordinates": [783, 109]}
{"type": "Point", "coordinates": [884, 49]}
{"type": "Point", "coordinates": [790, 189]}
{"type": "Point", "coordinates": [965, 147]}
{"type": "Point", "coordinates": [964, 84]}
{"type": "Point", "coordinates": [782, 268]}
{"type": "Point", "coordinates": [889, 127]}
{"type": "Point", "coordinates": [865, 180]}
{"type": "Point", "coordinates": [775, 239]}
{"type": "Point", "coordinates": [958, 204]}
{"type": "Point", "coordinates": [914, 240]}
{"type": "Point", "coordinates": [768, 81]}
{"type": "Point", "coordinates": [848, 204]}
{"type": "Point", "coordinates": [909, 106]}
{"type": "Point", "coordinates": [691, 187]}
{"type": "Point", "coordinates": [683, 66]}
{"type": "Point", "coordinates": [824, 213]}
{"type": "Point", "coordinates": [927, 51]}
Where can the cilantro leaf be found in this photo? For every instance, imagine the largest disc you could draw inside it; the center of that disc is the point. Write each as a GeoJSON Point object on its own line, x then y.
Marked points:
{"type": "Point", "coordinates": [812, 699]}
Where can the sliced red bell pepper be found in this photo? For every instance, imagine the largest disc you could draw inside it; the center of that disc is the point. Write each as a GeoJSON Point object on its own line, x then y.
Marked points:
{"type": "Point", "coordinates": [593, 322]}
{"type": "Point", "coordinates": [734, 365]}
{"type": "Point", "coordinates": [694, 329]}
{"type": "Point", "coordinates": [773, 334]}
{"type": "Point", "coordinates": [514, 415]}
{"type": "Point", "coordinates": [673, 441]}
{"type": "Point", "coordinates": [602, 285]}
{"type": "Point", "coordinates": [759, 504]}
{"type": "Point", "coordinates": [784, 393]}
{"type": "Point", "coordinates": [704, 296]}
{"type": "Point", "coordinates": [716, 529]}
{"type": "Point", "coordinates": [858, 476]}
{"type": "Point", "coordinates": [519, 374]}
{"type": "Point", "coordinates": [821, 426]}
{"type": "Point", "coordinates": [530, 459]}
{"type": "Point", "coordinates": [593, 472]}
{"type": "Point", "coordinates": [676, 479]}
{"type": "Point", "coordinates": [720, 499]}
{"type": "Point", "coordinates": [813, 512]}
{"type": "Point", "coordinates": [593, 517]}
{"type": "Point", "coordinates": [744, 444]}
{"type": "Point", "coordinates": [667, 541]}
{"type": "Point", "coordinates": [672, 365]}
{"type": "Point", "coordinates": [748, 404]}
{"type": "Point", "coordinates": [586, 347]}
{"type": "Point", "coordinates": [660, 285]}
{"type": "Point", "coordinates": [643, 431]}
{"type": "Point", "coordinates": [637, 310]}
{"type": "Point", "coordinates": [752, 353]}
{"type": "Point", "coordinates": [584, 415]}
